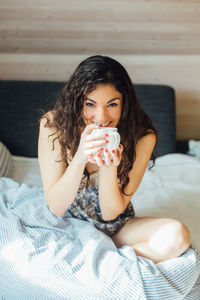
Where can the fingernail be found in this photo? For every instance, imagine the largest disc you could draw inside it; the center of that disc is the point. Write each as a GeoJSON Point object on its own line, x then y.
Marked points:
{"type": "Point", "coordinates": [100, 125]}
{"type": "Point", "coordinates": [106, 150]}
{"type": "Point", "coordinates": [107, 141]}
{"type": "Point", "coordinates": [113, 151]}
{"type": "Point", "coordinates": [101, 149]}
{"type": "Point", "coordinates": [106, 134]}
{"type": "Point", "coordinates": [98, 154]}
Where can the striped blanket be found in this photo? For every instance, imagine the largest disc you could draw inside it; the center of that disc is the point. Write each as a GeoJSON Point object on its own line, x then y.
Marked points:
{"type": "Point", "coordinates": [46, 257]}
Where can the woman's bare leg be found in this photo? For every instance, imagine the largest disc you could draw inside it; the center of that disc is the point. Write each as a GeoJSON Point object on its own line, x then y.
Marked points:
{"type": "Point", "coordinates": [155, 238]}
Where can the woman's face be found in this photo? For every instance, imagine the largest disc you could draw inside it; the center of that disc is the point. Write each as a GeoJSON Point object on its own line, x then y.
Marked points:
{"type": "Point", "coordinates": [103, 105]}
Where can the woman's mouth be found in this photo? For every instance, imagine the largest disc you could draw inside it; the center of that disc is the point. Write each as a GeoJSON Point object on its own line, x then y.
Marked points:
{"type": "Point", "coordinates": [103, 124]}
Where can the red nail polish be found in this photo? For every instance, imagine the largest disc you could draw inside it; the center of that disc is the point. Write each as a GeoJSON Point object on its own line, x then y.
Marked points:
{"type": "Point", "coordinates": [100, 125]}
{"type": "Point", "coordinates": [106, 150]}
{"type": "Point", "coordinates": [98, 154]}
{"type": "Point", "coordinates": [113, 151]}
{"type": "Point", "coordinates": [102, 149]}
{"type": "Point", "coordinates": [106, 134]}
{"type": "Point", "coordinates": [107, 141]}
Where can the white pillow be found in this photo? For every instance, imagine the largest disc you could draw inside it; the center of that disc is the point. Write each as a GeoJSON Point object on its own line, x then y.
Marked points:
{"type": "Point", "coordinates": [194, 148]}
{"type": "Point", "coordinates": [6, 161]}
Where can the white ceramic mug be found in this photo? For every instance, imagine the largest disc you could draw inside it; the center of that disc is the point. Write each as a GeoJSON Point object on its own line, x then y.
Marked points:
{"type": "Point", "coordinates": [113, 138]}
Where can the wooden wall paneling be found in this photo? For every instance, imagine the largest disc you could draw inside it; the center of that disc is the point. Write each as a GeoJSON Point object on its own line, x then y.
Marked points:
{"type": "Point", "coordinates": [125, 27]}
{"type": "Point", "coordinates": [158, 41]}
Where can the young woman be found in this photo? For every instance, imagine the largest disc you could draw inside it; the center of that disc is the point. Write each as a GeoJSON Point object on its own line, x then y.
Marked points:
{"type": "Point", "coordinates": [78, 184]}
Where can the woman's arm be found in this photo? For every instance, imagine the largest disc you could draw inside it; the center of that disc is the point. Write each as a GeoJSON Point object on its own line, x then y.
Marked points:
{"type": "Point", "coordinates": [112, 201]}
{"type": "Point", "coordinates": [110, 197]}
{"type": "Point", "coordinates": [60, 183]}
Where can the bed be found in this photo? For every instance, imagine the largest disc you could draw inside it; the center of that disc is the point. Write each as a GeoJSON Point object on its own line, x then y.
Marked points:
{"type": "Point", "coordinates": [46, 257]}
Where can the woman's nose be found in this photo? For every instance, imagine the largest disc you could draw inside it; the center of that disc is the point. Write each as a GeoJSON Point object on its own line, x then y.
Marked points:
{"type": "Point", "coordinates": [100, 115]}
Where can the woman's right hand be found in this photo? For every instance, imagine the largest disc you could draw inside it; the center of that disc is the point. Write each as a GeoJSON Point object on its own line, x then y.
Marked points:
{"type": "Point", "coordinates": [88, 145]}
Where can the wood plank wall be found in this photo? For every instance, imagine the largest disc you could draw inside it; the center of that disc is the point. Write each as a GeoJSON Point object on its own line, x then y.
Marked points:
{"type": "Point", "coordinates": [158, 41]}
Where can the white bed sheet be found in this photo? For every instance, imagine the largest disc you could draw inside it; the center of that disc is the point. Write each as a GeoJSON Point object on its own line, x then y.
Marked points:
{"type": "Point", "coordinates": [170, 189]}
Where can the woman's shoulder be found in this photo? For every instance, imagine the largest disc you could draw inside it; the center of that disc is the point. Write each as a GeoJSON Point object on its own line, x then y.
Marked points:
{"type": "Point", "coordinates": [148, 134]}
{"type": "Point", "coordinates": [47, 120]}
{"type": "Point", "coordinates": [146, 143]}
{"type": "Point", "coordinates": [48, 129]}
{"type": "Point", "coordinates": [50, 133]}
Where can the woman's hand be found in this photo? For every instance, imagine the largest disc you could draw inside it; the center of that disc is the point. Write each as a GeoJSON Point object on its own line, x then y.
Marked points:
{"type": "Point", "coordinates": [110, 158]}
{"type": "Point", "coordinates": [88, 145]}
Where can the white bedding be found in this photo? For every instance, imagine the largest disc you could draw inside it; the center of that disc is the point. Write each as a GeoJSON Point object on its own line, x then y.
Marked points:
{"type": "Point", "coordinates": [170, 189]}
{"type": "Point", "coordinates": [46, 257]}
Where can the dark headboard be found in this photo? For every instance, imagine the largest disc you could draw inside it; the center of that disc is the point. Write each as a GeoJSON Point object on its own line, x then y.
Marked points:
{"type": "Point", "coordinates": [21, 101]}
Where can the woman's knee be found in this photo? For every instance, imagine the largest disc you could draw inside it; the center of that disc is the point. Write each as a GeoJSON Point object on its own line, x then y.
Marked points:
{"type": "Point", "coordinates": [183, 235]}
{"type": "Point", "coordinates": [174, 238]}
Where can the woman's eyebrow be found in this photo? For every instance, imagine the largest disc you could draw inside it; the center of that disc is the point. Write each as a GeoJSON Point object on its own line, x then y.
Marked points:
{"type": "Point", "coordinates": [111, 100]}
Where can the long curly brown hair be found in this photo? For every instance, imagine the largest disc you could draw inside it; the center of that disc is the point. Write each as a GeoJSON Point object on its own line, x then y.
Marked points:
{"type": "Point", "coordinates": [68, 111]}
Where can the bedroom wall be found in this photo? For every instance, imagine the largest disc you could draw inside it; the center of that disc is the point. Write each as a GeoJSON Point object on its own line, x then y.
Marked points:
{"type": "Point", "coordinates": [158, 41]}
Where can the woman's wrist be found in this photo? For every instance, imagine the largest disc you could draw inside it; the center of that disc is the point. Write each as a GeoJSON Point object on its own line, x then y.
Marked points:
{"type": "Point", "coordinates": [80, 159]}
{"type": "Point", "coordinates": [105, 171]}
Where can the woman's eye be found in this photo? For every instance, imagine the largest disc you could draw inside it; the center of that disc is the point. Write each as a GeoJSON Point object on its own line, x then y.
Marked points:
{"type": "Point", "coordinates": [89, 104]}
{"type": "Point", "coordinates": [112, 104]}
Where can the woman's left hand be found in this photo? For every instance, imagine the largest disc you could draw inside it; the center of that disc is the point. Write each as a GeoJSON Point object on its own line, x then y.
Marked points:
{"type": "Point", "coordinates": [111, 158]}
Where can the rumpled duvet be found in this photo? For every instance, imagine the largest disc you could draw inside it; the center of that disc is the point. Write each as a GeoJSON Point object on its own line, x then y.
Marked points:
{"type": "Point", "coordinates": [47, 257]}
